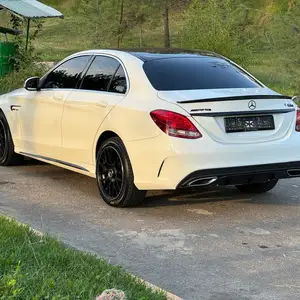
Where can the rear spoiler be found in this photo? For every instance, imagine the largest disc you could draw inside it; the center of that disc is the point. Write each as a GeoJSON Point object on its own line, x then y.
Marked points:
{"type": "Point", "coordinates": [235, 98]}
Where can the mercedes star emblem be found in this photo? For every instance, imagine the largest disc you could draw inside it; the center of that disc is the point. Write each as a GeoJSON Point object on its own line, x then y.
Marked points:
{"type": "Point", "coordinates": [252, 104]}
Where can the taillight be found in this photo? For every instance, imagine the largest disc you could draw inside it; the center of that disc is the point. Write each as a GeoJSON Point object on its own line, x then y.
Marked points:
{"type": "Point", "coordinates": [298, 120]}
{"type": "Point", "coordinates": [175, 124]}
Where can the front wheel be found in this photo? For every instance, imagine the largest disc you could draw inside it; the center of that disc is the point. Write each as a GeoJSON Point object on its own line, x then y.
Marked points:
{"type": "Point", "coordinates": [8, 156]}
{"type": "Point", "coordinates": [257, 188]}
{"type": "Point", "coordinates": [115, 175]}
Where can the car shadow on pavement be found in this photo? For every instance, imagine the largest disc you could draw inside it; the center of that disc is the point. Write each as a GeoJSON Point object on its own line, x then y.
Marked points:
{"type": "Point", "coordinates": [282, 195]}
{"type": "Point", "coordinates": [32, 162]}
{"type": "Point", "coordinates": [174, 198]}
{"type": "Point", "coordinates": [218, 194]}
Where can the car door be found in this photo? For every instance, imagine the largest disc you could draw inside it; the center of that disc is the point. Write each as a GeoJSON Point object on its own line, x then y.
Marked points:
{"type": "Point", "coordinates": [41, 112]}
{"type": "Point", "coordinates": [102, 87]}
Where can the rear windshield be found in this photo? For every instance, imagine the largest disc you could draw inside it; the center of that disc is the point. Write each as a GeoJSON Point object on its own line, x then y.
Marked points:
{"type": "Point", "coordinates": [170, 74]}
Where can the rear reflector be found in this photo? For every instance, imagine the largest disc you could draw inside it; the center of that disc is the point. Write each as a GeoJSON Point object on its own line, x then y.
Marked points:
{"type": "Point", "coordinates": [175, 124]}
{"type": "Point", "coordinates": [298, 121]}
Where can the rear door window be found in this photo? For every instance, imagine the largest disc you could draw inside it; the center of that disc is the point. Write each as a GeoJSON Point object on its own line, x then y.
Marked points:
{"type": "Point", "coordinates": [100, 74]}
{"type": "Point", "coordinates": [193, 73]}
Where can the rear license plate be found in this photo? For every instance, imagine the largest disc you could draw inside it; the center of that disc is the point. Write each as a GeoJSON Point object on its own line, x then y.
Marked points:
{"type": "Point", "coordinates": [253, 123]}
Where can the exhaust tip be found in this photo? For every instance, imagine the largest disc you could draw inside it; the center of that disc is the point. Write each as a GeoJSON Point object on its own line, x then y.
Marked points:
{"type": "Point", "coordinates": [293, 172]}
{"type": "Point", "coordinates": [202, 181]}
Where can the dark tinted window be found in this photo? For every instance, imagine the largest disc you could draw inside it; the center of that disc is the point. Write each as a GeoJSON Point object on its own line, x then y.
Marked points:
{"type": "Point", "coordinates": [100, 74]}
{"type": "Point", "coordinates": [66, 75]}
{"type": "Point", "coordinates": [196, 73]}
{"type": "Point", "coordinates": [118, 84]}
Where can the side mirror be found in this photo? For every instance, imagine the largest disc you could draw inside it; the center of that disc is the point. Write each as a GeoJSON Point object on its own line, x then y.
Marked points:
{"type": "Point", "coordinates": [32, 84]}
{"type": "Point", "coordinates": [296, 99]}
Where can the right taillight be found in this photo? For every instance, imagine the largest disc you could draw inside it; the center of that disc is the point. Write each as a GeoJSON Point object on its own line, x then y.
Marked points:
{"type": "Point", "coordinates": [298, 120]}
{"type": "Point", "coordinates": [175, 124]}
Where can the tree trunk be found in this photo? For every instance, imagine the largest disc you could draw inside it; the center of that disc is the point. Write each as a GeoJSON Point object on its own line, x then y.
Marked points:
{"type": "Point", "coordinates": [141, 35]}
{"type": "Point", "coordinates": [120, 23]}
{"type": "Point", "coordinates": [166, 26]}
{"type": "Point", "coordinates": [98, 5]}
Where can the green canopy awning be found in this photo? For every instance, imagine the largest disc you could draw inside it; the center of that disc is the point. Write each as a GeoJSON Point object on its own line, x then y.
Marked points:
{"type": "Point", "coordinates": [30, 9]}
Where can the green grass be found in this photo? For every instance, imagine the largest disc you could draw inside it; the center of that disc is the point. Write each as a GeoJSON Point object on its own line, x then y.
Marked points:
{"type": "Point", "coordinates": [273, 72]}
{"type": "Point", "coordinates": [274, 78]}
{"type": "Point", "coordinates": [16, 79]}
{"type": "Point", "coordinates": [33, 267]}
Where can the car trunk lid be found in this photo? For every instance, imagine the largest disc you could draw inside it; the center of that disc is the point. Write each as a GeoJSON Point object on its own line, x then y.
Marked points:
{"type": "Point", "coordinates": [237, 115]}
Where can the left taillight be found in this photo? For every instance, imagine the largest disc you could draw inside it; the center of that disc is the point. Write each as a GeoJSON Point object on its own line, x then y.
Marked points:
{"type": "Point", "coordinates": [298, 120]}
{"type": "Point", "coordinates": [175, 124]}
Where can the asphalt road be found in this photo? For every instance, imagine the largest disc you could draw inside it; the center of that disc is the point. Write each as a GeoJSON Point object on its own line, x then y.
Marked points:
{"type": "Point", "coordinates": [216, 245]}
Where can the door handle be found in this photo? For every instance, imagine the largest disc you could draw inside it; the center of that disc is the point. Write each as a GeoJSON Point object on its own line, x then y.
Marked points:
{"type": "Point", "coordinates": [101, 104]}
{"type": "Point", "coordinates": [59, 97]}
{"type": "Point", "coordinates": [15, 107]}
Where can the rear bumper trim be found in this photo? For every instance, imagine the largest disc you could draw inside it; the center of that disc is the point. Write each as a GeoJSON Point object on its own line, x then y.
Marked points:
{"type": "Point", "coordinates": [243, 174]}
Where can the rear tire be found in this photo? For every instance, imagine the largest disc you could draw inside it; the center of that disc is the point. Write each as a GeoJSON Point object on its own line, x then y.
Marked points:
{"type": "Point", "coordinates": [8, 157]}
{"type": "Point", "coordinates": [115, 175]}
{"type": "Point", "coordinates": [257, 188]}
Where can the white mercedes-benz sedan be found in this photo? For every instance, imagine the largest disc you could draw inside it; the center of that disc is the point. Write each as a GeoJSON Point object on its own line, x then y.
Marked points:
{"type": "Point", "coordinates": [153, 120]}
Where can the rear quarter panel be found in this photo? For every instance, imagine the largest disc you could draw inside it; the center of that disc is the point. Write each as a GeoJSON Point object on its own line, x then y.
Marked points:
{"type": "Point", "coordinates": [147, 146]}
{"type": "Point", "coordinates": [130, 118]}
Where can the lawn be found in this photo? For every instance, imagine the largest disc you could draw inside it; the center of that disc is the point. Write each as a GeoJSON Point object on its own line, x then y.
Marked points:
{"type": "Point", "coordinates": [33, 267]}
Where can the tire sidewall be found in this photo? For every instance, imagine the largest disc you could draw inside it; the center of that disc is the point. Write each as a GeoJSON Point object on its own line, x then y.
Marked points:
{"type": "Point", "coordinates": [5, 158]}
{"type": "Point", "coordinates": [117, 145]}
{"type": "Point", "coordinates": [258, 188]}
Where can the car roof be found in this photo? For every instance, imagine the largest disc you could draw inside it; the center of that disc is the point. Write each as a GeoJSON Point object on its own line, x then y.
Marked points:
{"type": "Point", "coordinates": [147, 54]}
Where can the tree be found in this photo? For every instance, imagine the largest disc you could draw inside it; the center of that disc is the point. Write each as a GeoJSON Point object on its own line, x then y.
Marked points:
{"type": "Point", "coordinates": [120, 22]}
{"type": "Point", "coordinates": [167, 42]}
{"type": "Point", "coordinates": [217, 26]}
{"type": "Point", "coordinates": [278, 32]}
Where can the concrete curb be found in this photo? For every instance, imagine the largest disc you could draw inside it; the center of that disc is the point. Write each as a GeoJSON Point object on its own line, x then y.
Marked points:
{"type": "Point", "coordinates": [155, 288]}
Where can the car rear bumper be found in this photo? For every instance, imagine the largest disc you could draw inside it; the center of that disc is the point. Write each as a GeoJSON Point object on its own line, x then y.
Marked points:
{"type": "Point", "coordinates": [167, 163]}
{"type": "Point", "coordinates": [240, 175]}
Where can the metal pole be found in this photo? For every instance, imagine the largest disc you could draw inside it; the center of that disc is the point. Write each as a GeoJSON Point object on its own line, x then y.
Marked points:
{"type": "Point", "coordinates": [27, 35]}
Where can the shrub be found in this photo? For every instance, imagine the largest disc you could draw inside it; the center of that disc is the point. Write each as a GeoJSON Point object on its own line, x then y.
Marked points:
{"type": "Point", "coordinates": [215, 25]}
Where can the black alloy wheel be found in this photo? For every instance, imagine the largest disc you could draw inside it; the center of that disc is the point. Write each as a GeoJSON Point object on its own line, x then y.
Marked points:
{"type": "Point", "coordinates": [111, 177]}
{"type": "Point", "coordinates": [8, 156]}
{"type": "Point", "coordinates": [115, 175]}
{"type": "Point", "coordinates": [257, 188]}
{"type": "Point", "coordinates": [3, 141]}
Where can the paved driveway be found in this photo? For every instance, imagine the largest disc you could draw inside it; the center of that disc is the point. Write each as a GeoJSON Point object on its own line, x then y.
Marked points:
{"type": "Point", "coordinates": [216, 245]}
